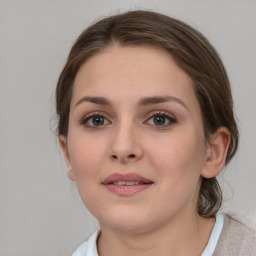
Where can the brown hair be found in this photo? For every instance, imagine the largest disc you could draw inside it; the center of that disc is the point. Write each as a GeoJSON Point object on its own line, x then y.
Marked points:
{"type": "Point", "coordinates": [191, 51]}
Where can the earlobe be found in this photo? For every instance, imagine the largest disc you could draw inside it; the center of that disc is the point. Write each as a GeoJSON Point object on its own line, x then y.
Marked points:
{"type": "Point", "coordinates": [216, 153]}
{"type": "Point", "coordinates": [71, 175]}
{"type": "Point", "coordinates": [64, 147]}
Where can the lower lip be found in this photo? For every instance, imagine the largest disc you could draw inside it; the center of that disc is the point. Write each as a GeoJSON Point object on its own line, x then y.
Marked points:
{"type": "Point", "coordinates": [127, 190]}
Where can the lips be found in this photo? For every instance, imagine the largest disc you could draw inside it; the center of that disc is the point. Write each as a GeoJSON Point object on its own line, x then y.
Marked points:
{"type": "Point", "coordinates": [125, 177]}
{"type": "Point", "coordinates": [126, 184]}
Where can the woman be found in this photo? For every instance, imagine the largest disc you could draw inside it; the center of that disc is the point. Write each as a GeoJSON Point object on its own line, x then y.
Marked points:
{"type": "Point", "coordinates": [146, 124]}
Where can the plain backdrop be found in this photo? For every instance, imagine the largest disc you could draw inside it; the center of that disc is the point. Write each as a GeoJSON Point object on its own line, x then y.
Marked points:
{"type": "Point", "coordinates": [40, 211]}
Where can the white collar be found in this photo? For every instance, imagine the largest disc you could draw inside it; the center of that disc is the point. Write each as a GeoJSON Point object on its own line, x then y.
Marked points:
{"type": "Point", "coordinates": [89, 248]}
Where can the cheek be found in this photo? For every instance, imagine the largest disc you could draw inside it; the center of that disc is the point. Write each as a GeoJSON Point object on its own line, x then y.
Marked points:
{"type": "Point", "coordinates": [86, 157]}
{"type": "Point", "coordinates": [178, 163]}
{"type": "Point", "coordinates": [179, 156]}
{"type": "Point", "coordinates": [87, 160]}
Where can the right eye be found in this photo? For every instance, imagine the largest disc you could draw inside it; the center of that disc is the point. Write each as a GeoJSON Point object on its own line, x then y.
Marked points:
{"type": "Point", "coordinates": [94, 121]}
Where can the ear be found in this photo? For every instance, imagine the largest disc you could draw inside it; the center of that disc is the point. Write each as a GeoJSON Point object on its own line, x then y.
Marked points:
{"type": "Point", "coordinates": [217, 149]}
{"type": "Point", "coordinates": [64, 147]}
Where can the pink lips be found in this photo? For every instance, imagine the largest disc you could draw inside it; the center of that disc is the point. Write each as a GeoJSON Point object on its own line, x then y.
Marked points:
{"type": "Point", "coordinates": [114, 183]}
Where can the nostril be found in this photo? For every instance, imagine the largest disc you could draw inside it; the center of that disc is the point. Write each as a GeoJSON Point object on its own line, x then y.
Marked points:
{"type": "Point", "coordinates": [115, 156]}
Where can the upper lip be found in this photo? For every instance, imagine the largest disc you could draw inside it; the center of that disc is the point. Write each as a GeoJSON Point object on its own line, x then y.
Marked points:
{"type": "Point", "coordinates": [115, 177]}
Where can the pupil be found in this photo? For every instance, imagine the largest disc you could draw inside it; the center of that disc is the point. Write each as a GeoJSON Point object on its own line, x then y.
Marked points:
{"type": "Point", "coordinates": [99, 120]}
{"type": "Point", "coordinates": [159, 120]}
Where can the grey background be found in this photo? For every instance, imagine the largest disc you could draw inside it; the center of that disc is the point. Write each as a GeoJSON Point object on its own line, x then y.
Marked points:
{"type": "Point", "coordinates": [40, 211]}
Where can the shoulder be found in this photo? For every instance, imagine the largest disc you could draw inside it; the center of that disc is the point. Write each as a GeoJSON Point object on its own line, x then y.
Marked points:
{"type": "Point", "coordinates": [88, 248]}
{"type": "Point", "coordinates": [238, 236]}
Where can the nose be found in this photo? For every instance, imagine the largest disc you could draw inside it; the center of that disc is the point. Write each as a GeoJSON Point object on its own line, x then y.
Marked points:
{"type": "Point", "coordinates": [126, 145]}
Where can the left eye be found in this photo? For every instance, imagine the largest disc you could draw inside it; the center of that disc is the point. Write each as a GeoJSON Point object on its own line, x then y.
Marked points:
{"type": "Point", "coordinates": [161, 120]}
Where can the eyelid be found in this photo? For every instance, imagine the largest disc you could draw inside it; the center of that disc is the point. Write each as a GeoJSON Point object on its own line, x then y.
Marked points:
{"type": "Point", "coordinates": [161, 112]}
{"type": "Point", "coordinates": [93, 114]}
{"type": "Point", "coordinates": [168, 115]}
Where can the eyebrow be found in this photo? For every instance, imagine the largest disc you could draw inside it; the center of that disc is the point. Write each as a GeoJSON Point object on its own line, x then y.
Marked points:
{"type": "Point", "coordinates": [160, 99]}
{"type": "Point", "coordinates": [146, 101]}
{"type": "Point", "coordinates": [95, 100]}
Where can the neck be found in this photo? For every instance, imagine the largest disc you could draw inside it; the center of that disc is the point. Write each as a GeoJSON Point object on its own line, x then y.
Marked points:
{"type": "Point", "coordinates": [182, 237]}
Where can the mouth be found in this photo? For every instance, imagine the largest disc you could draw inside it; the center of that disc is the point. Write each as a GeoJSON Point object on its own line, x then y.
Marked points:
{"type": "Point", "coordinates": [126, 184]}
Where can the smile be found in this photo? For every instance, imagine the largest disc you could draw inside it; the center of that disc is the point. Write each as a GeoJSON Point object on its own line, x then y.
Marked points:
{"type": "Point", "coordinates": [126, 184]}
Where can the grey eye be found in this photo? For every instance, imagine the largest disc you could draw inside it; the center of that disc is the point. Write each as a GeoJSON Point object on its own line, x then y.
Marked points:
{"type": "Point", "coordinates": [95, 120]}
{"type": "Point", "coordinates": [161, 120]}
{"type": "Point", "coordinates": [98, 120]}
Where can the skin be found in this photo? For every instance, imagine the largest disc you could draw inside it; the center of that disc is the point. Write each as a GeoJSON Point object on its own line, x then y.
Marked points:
{"type": "Point", "coordinates": [161, 220]}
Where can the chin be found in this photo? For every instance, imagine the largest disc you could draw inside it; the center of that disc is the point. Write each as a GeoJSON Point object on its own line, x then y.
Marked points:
{"type": "Point", "coordinates": [129, 227]}
{"type": "Point", "coordinates": [123, 222]}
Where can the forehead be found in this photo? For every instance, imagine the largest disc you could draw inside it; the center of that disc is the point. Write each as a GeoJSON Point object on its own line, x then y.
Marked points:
{"type": "Point", "coordinates": [132, 70]}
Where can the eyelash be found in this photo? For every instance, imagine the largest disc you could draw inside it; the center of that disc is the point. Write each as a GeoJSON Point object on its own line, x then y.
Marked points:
{"type": "Point", "coordinates": [162, 114]}
{"type": "Point", "coordinates": [171, 120]}
{"type": "Point", "coordinates": [89, 117]}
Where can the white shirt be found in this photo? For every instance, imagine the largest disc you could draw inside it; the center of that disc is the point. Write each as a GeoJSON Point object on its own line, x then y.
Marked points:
{"type": "Point", "coordinates": [89, 248]}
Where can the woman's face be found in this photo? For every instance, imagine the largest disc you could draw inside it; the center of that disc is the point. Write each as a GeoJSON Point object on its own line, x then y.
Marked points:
{"type": "Point", "coordinates": [135, 145]}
